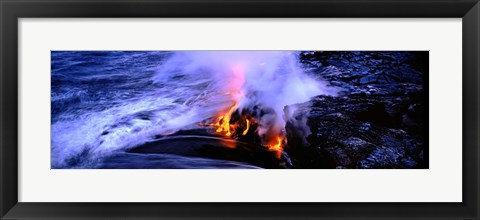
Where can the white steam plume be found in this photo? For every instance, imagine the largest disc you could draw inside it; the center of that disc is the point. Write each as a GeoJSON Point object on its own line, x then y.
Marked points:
{"type": "Point", "coordinates": [267, 79]}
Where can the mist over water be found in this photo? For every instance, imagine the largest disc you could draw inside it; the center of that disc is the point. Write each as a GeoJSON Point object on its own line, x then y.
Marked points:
{"type": "Point", "coordinates": [104, 103]}
{"type": "Point", "coordinates": [270, 80]}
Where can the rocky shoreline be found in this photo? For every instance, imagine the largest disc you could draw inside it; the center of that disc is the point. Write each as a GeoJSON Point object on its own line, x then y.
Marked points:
{"type": "Point", "coordinates": [378, 120]}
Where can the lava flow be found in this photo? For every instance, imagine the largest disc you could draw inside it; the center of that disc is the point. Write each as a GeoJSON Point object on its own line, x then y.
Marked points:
{"type": "Point", "coordinates": [240, 128]}
{"type": "Point", "coordinates": [223, 122]}
{"type": "Point", "coordinates": [243, 126]}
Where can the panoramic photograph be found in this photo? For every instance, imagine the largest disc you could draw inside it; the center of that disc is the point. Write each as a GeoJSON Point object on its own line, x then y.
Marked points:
{"type": "Point", "coordinates": [239, 109]}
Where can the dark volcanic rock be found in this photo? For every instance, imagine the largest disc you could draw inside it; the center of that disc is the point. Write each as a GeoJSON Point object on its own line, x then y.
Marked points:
{"type": "Point", "coordinates": [358, 132]}
{"type": "Point", "coordinates": [376, 121]}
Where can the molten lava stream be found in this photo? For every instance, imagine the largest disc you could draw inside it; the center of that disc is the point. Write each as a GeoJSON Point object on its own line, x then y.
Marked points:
{"type": "Point", "coordinates": [276, 146]}
{"type": "Point", "coordinates": [224, 126]}
{"type": "Point", "coordinates": [247, 127]}
{"type": "Point", "coordinates": [223, 122]}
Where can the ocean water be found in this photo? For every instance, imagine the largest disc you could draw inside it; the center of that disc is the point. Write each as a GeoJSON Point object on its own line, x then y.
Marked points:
{"type": "Point", "coordinates": [103, 103]}
{"type": "Point", "coordinates": [106, 104]}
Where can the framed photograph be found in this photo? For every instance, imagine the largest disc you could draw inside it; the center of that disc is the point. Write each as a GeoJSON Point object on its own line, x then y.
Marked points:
{"type": "Point", "coordinates": [239, 109]}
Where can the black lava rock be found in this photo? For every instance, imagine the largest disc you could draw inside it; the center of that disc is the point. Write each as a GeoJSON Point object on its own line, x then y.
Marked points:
{"type": "Point", "coordinates": [377, 121]}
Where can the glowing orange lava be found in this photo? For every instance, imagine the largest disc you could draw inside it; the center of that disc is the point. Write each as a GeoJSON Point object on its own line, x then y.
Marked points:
{"type": "Point", "coordinates": [223, 122]}
{"type": "Point", "coordinates": [226, 127]}
{"type": "Point", "coordinates": [276, 145]}
{"type": "Point", "coordinates": [248, 127]}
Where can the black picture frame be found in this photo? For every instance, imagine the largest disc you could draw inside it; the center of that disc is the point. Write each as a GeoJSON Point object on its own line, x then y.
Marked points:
{"type": "Point", "coordinates": [11, 10]}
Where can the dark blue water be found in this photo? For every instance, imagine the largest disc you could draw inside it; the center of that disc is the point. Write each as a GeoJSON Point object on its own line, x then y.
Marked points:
{"type": "Point", "coordinates": [105, 103]}
{"type": "Point", "coordinates": [95, 81]}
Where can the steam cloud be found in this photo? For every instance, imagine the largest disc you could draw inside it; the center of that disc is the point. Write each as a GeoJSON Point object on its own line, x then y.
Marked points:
{"type": "Point", "coordinates": [270, 80]}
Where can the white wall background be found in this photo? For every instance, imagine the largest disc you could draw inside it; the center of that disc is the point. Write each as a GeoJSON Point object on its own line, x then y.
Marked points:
{"type": "Point", "coordinates": [441, 183]}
